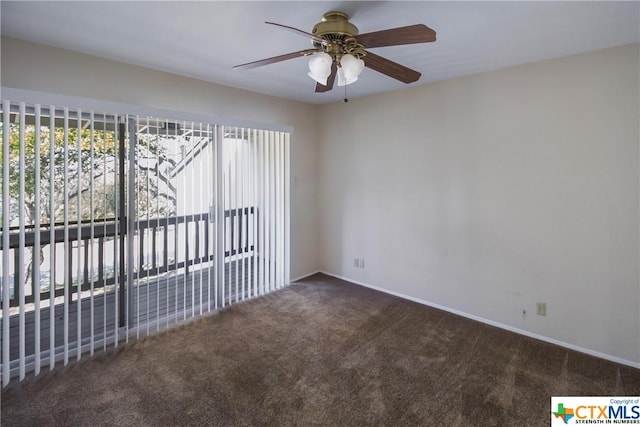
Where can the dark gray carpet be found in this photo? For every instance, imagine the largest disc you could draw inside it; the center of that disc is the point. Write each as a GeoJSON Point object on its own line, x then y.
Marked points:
{"type": "Point", "coordinates": [321, 352]}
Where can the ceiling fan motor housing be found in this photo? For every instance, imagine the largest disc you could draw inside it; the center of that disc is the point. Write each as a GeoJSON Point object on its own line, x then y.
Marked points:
{"type": "Point", "coordinates": [335, 26]}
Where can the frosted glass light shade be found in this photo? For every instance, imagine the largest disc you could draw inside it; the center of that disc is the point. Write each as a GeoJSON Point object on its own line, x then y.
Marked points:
{"type": "Point", "coordinates": [350, 69]}
{"type": "Point", "coordinates": [342, 80]}
{"type": "Point", "coordinates": [320, 67]}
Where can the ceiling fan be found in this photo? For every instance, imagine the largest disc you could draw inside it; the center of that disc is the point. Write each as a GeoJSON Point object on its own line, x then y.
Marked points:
{"type": "Point", "coordinates": [339, 51]}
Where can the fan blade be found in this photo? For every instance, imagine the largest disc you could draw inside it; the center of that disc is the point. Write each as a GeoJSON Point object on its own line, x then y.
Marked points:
{"type": "Point", "coordinates": [330, 80]}
{"type": "Point", "coordinates": [275, 59]}
{"type": "Point", "coordinates": [304, 33]}
{"type": "Point", "coordinates": [418, 33]}
{"type": "Point", "coordinates": [390, 68]}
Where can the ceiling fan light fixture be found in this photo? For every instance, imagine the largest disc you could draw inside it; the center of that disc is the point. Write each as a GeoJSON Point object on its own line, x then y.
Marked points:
{"type": "Point", "coordinates": [350, 69]}
{"type": "Point", "coordinates": [320, 67]}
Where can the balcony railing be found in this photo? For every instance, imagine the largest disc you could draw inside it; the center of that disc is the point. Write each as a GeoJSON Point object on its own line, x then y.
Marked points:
{"type": "Point", "coordinates": [149, 260]}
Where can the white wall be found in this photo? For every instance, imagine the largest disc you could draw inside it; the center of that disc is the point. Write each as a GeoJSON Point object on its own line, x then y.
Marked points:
{"type": "Point", "coordinates": [489, 193]}
{"type": "Point", "coordinates": [41, 68]}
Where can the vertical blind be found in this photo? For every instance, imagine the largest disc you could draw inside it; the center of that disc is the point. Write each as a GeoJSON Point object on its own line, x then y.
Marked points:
{"type": "Point", "coordinates": [116, 226]}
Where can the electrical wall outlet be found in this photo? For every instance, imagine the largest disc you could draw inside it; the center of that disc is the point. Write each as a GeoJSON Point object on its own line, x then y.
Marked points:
{"type": "Point", "coordinates": [361, 262]}
{"type": "Point", "coordinates": [541, 308]}
{"type": "Point", "coordinates": [356, 262]}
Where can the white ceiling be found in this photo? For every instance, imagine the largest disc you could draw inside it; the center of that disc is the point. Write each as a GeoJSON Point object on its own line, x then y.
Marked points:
{"type": "Point", "coordinates": [205, 39]}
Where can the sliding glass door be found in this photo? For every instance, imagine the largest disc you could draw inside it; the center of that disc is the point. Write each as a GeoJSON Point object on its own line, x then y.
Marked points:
{"type": "Point", "coordinates": [116, 226]}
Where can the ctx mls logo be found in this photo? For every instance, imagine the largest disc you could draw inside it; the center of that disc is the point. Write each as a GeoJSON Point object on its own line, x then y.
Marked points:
{"type": "Point", "coordinates": [572, 410]}
{"type": "Point", "coordinates": [564, 413]}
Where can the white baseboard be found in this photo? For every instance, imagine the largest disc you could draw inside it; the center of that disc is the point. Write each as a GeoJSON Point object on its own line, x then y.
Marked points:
{"type": "Point", "coordinates": [493, 323]}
